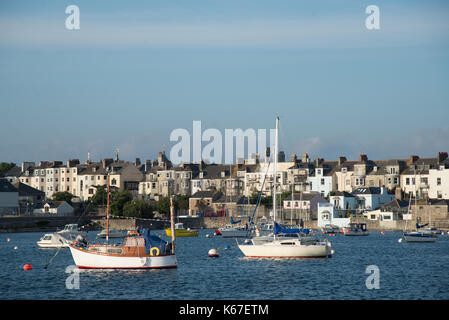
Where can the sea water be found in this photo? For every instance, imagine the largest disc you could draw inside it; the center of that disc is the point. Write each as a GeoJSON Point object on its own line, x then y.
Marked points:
{"type": "Point", "coordinates": [369, 267]}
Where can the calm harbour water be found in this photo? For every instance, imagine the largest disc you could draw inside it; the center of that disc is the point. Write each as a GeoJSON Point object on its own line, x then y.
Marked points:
{"type": "Point", "coordinates": [408, 271]}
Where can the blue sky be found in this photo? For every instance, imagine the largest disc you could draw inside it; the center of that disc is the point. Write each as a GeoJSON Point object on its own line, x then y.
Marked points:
{"type": "Point", "coordinates": [137, 70]}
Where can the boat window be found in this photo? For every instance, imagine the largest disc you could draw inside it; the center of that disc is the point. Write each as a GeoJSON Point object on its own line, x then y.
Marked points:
{"type": "Point", "coordinates": [288, 243]}
{"type": "Point", "coordinates": [47, 238]}
{"type": "Point", "coordinates": [114, 250]}
{"type": "Point", "coordinates": [135, 242]}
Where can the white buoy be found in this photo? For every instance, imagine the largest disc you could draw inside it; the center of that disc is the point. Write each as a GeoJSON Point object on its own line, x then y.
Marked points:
{"type": "Point", "coordinates": [16, 247]}
{"type": "Point", "coordinates": [400, 240]}
{"type": "Point", "coordinates": [213, 253]}
{"type": "Point", "coordinates": [207, 235]}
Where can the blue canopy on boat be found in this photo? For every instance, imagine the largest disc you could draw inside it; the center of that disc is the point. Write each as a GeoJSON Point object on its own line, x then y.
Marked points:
{"type": "Point", "coordinates": [278, 229]}
{"type": "Point", "coordinates": [234, 222]}
{"type": "Point", "coordinates": [153, 241]}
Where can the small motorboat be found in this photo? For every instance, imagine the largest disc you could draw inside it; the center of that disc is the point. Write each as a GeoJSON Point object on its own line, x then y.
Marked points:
{"type": "Point", "coordinates": [71, 230]}
{"type": "Point", "coordinates": [330, 228]}
{"type": "Point", "coordinates": [420, 236]}
{"type": "Point", "coordinates": [356, 229]}
{"type": "Point", "coordinates": [113, 233]}
{"type": "Point", "coordinates": [181, 231]}
{"type": "Point", "coordinates": [55, 240]}
{"type": "Point", "coordinates": [234, 232]}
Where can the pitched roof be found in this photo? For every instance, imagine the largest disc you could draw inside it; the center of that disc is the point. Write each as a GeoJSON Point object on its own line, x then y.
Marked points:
{"type": "Point", "coordinates": [26, 190]}
{"type": "Point", "coordinates": [14, 172]}
{"type": "Point", "coordinates": [395, 204]}
{"type": "Point", "coordinates": [206, 194]}
{"type": "Point", "coordinates": [6, 186]}
{"type": "Point", "coordinates": [302, 197]}
{"type": "Point", "coordinates": [367, 190]}
{"type": "Point", "coordinates": [342, 194]}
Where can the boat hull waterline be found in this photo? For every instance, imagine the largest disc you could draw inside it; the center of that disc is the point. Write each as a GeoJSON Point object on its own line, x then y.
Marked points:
{"type": "Point", "coordinates": [89, 260]}
{"type": "Point", "coordinates": [270, 250]}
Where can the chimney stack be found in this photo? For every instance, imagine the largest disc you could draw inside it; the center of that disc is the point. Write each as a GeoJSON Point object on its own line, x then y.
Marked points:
{"type": "Point", "coordinates": [412, 159]}
{"type": "Point", "coordinates": [363, 158]}
{"type": "Point", "coordinates": [341, 160]}
{"type": "Point", "coordinates": [441, 156]}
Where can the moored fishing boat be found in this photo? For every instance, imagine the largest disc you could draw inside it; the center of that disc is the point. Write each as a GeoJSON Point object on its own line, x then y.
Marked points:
{"type": "Point", "coordinates": [181, 231]}
{"type": "Point", "coordinates": [139, 250]}
{"type": "Point", "coordinates": [356, 229]}
{"type": "Point", "coordinates": [54, 240]}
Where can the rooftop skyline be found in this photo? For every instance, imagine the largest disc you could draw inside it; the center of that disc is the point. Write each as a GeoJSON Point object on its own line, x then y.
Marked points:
{"type": "Point", "coordinates": [134, 72]}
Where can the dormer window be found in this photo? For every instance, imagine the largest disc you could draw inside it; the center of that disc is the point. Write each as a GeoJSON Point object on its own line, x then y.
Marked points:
{"type": "Point", "coordinates": [344, 170]}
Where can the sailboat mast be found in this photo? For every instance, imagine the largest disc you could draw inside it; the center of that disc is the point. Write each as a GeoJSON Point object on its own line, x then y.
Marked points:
{"type": "Point", "coordinates": [172, 224]}
{"type": "Point", "coordinates": [107, 215]}
{"type": "Point", "coordinates": [275, 168]}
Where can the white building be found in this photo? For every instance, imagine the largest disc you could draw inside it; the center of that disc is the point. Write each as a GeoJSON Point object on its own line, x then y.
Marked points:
{"type": "Point", "coordinates": [439, 182]}
{"type": "Point", "coordinates": [343, 200]}
{"type": "Point", "coordinates": [370, 198]}
{"type": "Point", "coordinates": [320, 182]}
{"type": "Point", "coordinates": [327, 214]}
{"type": "Point", "coordinates": [60, 208]}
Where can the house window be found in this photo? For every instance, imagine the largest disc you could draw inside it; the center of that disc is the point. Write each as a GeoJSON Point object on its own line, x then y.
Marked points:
{"type": "Point", "coordinates": [395, 180]}
{"type": "Point", "coordinates": [322, 182]}
{"type": "Point", "coordinates": [114, 181]}
{"type": "Point", "coordinates": [348, 182]}
{"type": "Point", "coordinates": [438, 181]}
{"type": "Point", "coordinates": [288, 204]}
{"type": "Point", "coordinates": [407, 181]}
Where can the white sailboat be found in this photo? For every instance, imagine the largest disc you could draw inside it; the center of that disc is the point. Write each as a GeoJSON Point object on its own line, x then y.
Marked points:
{"type": "Point", "coordinates": [419, 234]}
{"type": "Point", "coordinates": [284, 243]}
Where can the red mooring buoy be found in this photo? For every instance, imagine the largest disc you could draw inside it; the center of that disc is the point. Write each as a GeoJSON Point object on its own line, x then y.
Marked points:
{"type": "Point", "coordinates": [27, 267]}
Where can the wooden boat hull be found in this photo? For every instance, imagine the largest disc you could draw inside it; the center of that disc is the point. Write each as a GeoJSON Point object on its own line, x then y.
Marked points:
{"type": "Point", "coordinates": [182, 233]}
{"type": "Point", "coordinates": [90, 260]}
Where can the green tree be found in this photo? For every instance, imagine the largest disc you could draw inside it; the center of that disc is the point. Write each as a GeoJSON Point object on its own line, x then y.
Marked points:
{"type": "Point", "coordinates": [63, 196]}
{"type": "Point", "coordinates": [137, 208]}
{"type": "Point", "coordinates": [182, 202]}
{"type": "Point", "coordinates": [118, 200]}
{"type": "Point", "coordinates": [163, 205]}
{"type": "Point", "coordinates": [5, 167]}
{"type": "Point", "coordinates": [100, 197]}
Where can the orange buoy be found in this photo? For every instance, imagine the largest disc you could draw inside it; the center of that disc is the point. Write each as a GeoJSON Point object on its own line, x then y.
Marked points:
{"type": "Point", "coordinates": [27, 267]}
{"type": "Point", "coordinates": [383, 233]}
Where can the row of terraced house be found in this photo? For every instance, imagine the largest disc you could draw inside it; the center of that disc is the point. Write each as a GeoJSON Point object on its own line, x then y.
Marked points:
{"type": "Point", "coordinates": [427, 178]}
